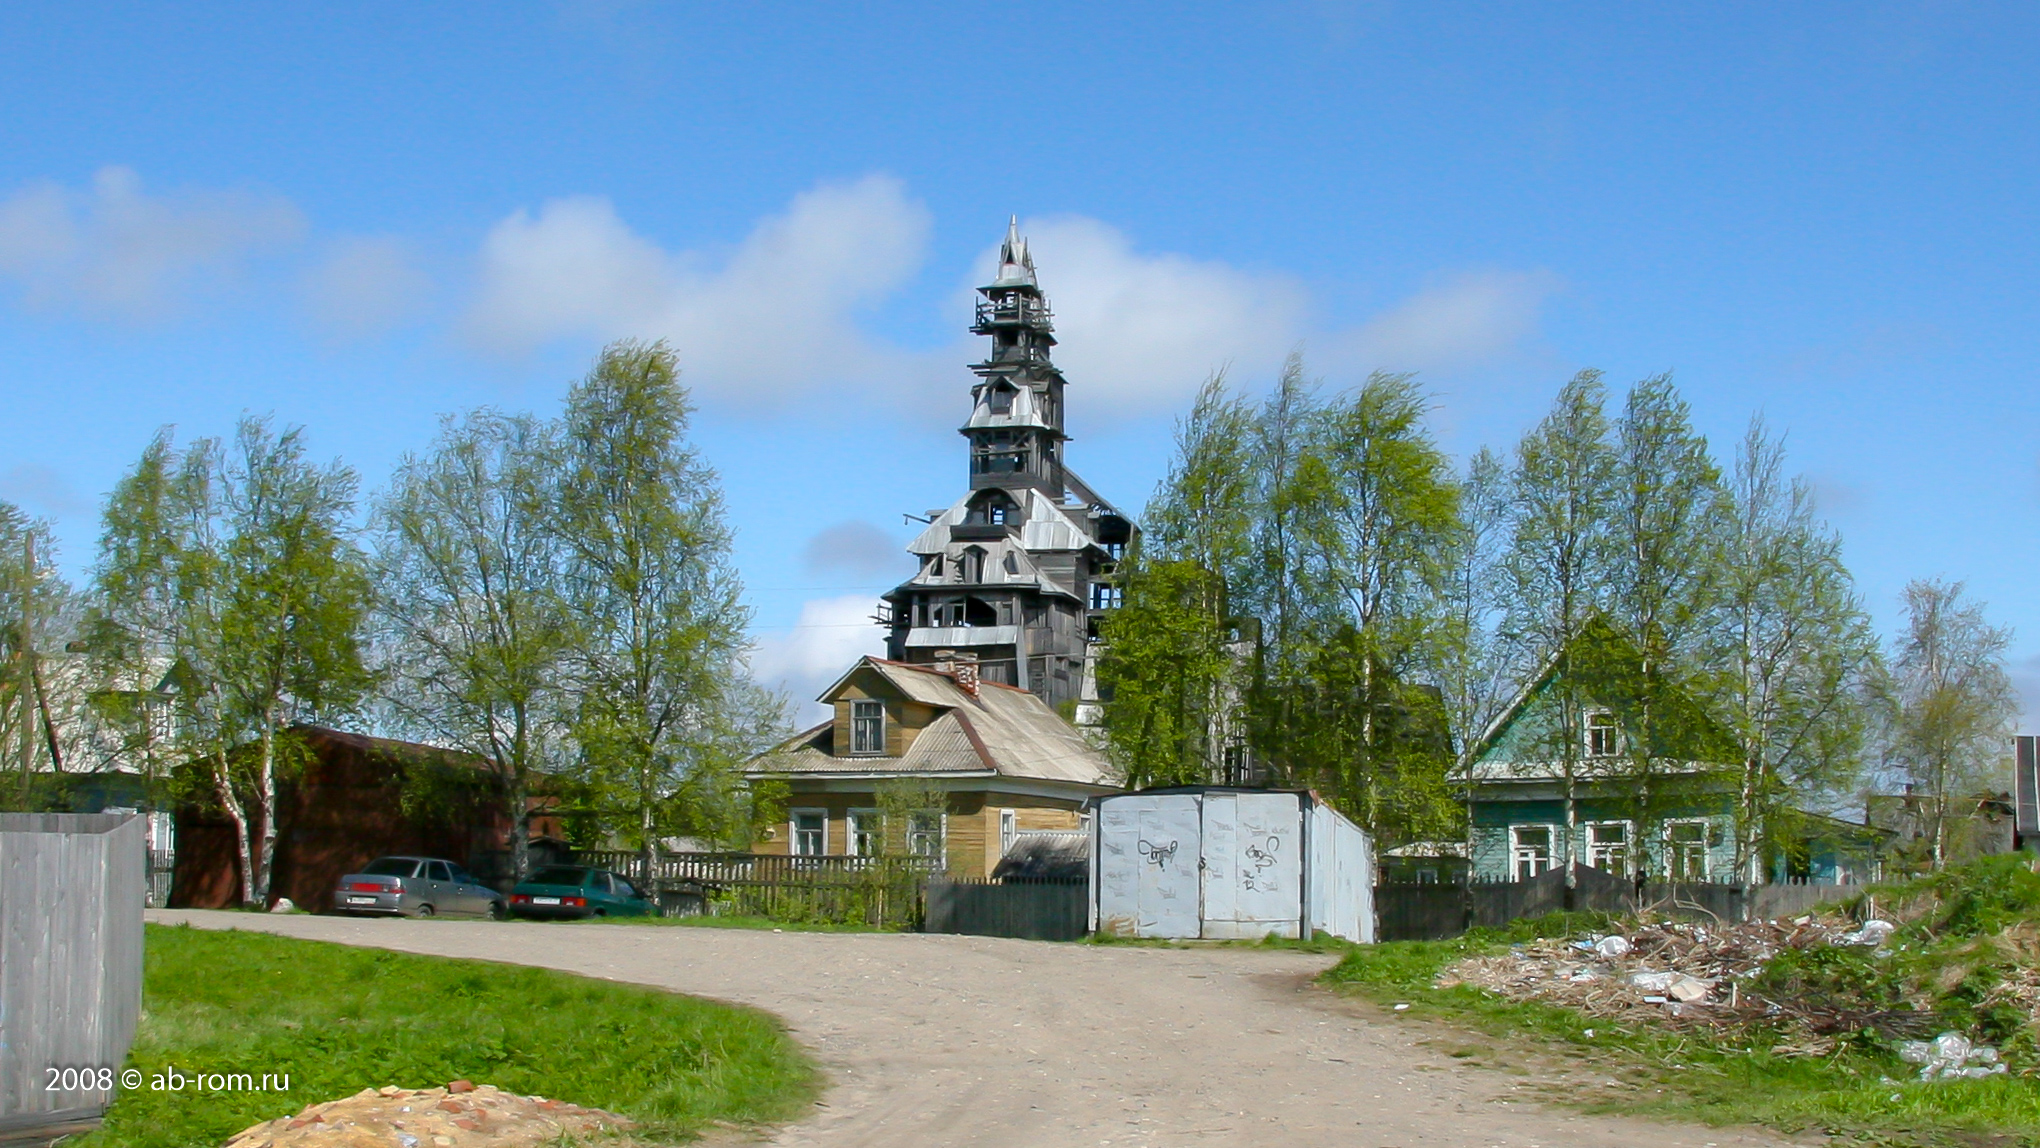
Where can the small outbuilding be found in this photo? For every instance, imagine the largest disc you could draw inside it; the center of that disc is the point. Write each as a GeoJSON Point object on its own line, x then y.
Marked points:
{"type": "Point", "coordinates": [1223, 863]}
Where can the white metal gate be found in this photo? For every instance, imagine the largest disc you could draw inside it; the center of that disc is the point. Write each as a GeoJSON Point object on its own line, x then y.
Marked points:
{"type": "Point", "coordinates": [1147, 866]}
{"type": "Point", "coordinates": [1252, 865]}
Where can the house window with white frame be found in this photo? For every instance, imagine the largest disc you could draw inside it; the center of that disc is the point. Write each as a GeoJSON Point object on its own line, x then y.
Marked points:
{"type": "Point", "coordinates": [864, 833]}
{"type": "Point", "coordinates": [1604, 737]}
{"type": "Point", "coordinates": [1530, 850]}
{"type": "Point", "coordinates": [1009, 830]}
{"type": "Point", "coordinates": [924, 833]}
{"type": "Point", "coordinates": [1686, 850]}
{"type": "Point", "coordinates": [867, 727]}
{"type": "Point", "coordinates": [810, 832]}
{"type": "Point", "coordinates": [1608, 846]}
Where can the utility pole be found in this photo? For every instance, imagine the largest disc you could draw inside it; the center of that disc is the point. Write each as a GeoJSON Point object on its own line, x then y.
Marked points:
{"type": "Point", "coordinates": [25, 688]}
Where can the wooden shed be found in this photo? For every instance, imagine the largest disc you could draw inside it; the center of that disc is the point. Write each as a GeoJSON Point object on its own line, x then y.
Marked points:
{"type": "Point", "coordinates": [357, 798]}
{"type": "Point", "coordinates": [71, 889]}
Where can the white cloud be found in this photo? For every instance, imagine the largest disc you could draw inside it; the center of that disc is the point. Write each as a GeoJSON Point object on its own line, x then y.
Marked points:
{"type": "Point", "coordinates": [1139, 332]}
{"type": "Point", "coordinates": [773, 318]}
{"type": "Point", "coordinates": [1466, 320]}
{"type": "Point", "coordinates": [364, 285]}
{"type": "Point", "coordinates": [778, 315]}
{"type": "Point", "coordinates": [116, 251]}
{"type": "Point", "coordinates": [805, 657]}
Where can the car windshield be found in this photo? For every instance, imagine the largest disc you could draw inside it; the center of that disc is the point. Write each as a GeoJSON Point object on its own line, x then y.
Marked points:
{"type": "Point", "coordinates": [392, 867]}
{"type": "Point", "coordinates": [558, 875]}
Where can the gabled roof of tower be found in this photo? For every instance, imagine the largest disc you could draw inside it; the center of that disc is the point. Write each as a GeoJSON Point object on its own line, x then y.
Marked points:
{"type": "Point", "coordinates": [1016, 263]}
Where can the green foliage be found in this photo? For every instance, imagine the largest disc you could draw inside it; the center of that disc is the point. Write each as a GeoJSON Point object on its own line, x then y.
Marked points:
{"type": "Point", "coordinates": [663, 709]}
{"type": "Point", "coordinates": [1168, 670]}
{"type": "Point", "coordinates": [231, 605]}
{"type": "Point", "coordinates": [338, 1019]}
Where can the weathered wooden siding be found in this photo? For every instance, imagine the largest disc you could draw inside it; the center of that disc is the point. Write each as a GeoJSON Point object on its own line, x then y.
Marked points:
{"type": "Point", "coordinates": [971, 827]}
{"type": "Point", "coordinates": [71, 895]}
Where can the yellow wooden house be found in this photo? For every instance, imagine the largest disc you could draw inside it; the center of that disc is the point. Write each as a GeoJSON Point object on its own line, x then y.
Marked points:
{"type": "Point", "coordinates": [1000, 763]}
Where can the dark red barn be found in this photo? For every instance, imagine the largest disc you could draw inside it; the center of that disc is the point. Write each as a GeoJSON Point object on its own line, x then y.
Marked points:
{"type": "Point", "coordinates": [357, 798]}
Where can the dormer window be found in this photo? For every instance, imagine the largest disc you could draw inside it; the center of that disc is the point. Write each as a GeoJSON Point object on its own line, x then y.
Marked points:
{"type": "Point", "coordinates": [1604, 737]}
{"type": "Point", "coordinates": [973, 564]}
{"type": "Point", "coordinates": [935, 566]}
{"type": "Point", "coordinates": [1002, 400]}
{"type": "Point", "coordinates": [867, 727]}
{"type": "Point", "coordinates": [1012, 563]}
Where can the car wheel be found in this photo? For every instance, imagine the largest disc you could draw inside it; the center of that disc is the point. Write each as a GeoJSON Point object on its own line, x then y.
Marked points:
{"type": "Point", "coordinates": [602, 912]}
{"type": "Point", "coordinates": [426, 910]}
{"type": "Point", "coordinates": [496, 911]}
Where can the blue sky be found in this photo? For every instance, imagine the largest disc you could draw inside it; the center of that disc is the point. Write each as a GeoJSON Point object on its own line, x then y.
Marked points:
{"type": "Point", "coordinates": [360, 216]}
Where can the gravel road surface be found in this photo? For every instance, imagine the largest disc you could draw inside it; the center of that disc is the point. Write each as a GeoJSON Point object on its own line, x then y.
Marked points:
{"type": "Point", "coordinates": [963, 1041]}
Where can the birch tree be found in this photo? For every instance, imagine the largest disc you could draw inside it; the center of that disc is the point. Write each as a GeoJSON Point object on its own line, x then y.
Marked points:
{"type": "Point", "coordinates": [1558, 564]}
{"type": "Point", "coordinates": [1793, 661]}
{"type": "Point", "coordinates": [475, 603]}
{"type": "Point", "coordinates": [656, 604]}
{"type": "Point", "coordinates": [1174, 674]}
{"type": "Point", "coordinates": [1953, 703]}
{"type": "Point", "coordinates": [294, 601]}
{"type": "Point", "coordinates": [1663, 571]}
{"type": "Point", "coordinates": [1382, 530]}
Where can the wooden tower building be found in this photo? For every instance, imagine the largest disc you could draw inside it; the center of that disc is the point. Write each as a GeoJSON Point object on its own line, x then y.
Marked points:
{"type": "Point", "coordinates": [1019, 570]}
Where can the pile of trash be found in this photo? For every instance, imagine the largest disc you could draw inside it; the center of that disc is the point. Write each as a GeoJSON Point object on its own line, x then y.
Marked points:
{"type": "Point", "coordinates": [1689, 974]}
{"type": "Point", "coordinates": [460, 1115]}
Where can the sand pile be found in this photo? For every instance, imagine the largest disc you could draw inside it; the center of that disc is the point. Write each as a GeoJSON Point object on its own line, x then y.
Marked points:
{"type": "Point", "coordinates": [461, 1115]}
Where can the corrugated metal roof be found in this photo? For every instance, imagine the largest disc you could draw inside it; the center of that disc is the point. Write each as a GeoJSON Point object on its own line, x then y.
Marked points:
{"type": "Point", "coordinates": [1007, 730]}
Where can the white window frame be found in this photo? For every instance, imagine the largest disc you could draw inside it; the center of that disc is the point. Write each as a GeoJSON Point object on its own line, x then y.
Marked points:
{"type": "Point", "coordinates": [1627, 848]}
{"type": "Point", "coordinates": [793, 817]}
{"type": "Point", "coordinates": [1516, 849]}
{"type": "Point", "coordinates": [1671, 858]}
{"type": "Point", "coordinates": [856, 719]}
{"type": "Point", "coordinates": [916, 837]}
{"type": "Point", "coordinates": [1589, 729]}
{"type": "Point", "coordinates": [1009, 830]}
{"type": "Point", "coordinates": [863, 823]}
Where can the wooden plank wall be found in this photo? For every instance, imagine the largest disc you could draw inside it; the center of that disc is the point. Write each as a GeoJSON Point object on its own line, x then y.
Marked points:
{"type": "Point", "coordinates": [71, 895]}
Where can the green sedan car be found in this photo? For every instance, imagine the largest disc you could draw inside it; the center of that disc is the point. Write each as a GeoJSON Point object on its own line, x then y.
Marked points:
{"type": "Point", "coordinates": [572, 891]}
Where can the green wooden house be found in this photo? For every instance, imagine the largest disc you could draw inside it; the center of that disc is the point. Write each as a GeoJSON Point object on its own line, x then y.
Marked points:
{"type": "Point", "coordinates": [1604, 763]}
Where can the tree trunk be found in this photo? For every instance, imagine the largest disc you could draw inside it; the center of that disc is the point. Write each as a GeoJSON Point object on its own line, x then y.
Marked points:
{"type": "Point", "coordinates": [224, 783]}
{"type": "Point", "coordinates": [266, 810]}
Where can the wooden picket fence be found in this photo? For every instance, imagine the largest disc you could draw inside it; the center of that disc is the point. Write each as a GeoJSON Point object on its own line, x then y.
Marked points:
{"type": "Point", "coordinates": [880, 892]}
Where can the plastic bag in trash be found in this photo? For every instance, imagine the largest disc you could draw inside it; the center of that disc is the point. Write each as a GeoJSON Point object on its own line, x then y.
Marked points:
{"type": "Point", "coordinates": [1951, 1056]}
{"type": "Point", "coordinates": [1652, 982]}
{"type": "Point", "coordinates": [1613, 945]}
{"type": "Point", "coordinates": [1873, 934]}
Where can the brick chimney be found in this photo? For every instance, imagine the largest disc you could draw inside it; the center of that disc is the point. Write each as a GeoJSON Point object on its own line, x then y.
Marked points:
{"type": "Point", "coordinates": [966, 673]}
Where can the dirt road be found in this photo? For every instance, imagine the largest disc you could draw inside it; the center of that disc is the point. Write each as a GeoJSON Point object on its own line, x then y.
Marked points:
{"type": "Point", "coordinates": [953, 1041]}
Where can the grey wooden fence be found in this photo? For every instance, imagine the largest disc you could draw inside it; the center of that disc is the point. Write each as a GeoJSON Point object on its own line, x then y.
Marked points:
{"type": "Point", "coordinates": [1423, 912]}
{"type": "Point", "coordinates": [71, 891]}
{"type": "Point", "coordinates": [1037, 909]}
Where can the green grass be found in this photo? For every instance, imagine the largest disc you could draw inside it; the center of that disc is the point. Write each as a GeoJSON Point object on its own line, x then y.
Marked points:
{"type": "Point", "coordinates": [1658, 1072]}
{"type": "Point", "coordinates": [339, 1019]}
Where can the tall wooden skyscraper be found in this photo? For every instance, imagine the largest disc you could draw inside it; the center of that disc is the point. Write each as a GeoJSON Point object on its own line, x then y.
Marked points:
{"type": "Point", "coordinates": [1019, 570]}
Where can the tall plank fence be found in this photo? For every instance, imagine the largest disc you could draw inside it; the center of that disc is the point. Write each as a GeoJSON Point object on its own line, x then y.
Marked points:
{"type": "Point", "coordinates": [1428, 912]}
{"type": "Point", "coordinates": [71, 893]}
{"type": "Point", "coordinates": [1032, 908]}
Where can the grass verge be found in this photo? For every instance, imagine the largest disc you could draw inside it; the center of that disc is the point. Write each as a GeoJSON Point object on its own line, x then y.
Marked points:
{"type": "Point", "coordinates": [1863, 1094]}
{"type": "Point", "coordinates": [338, 1019]}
